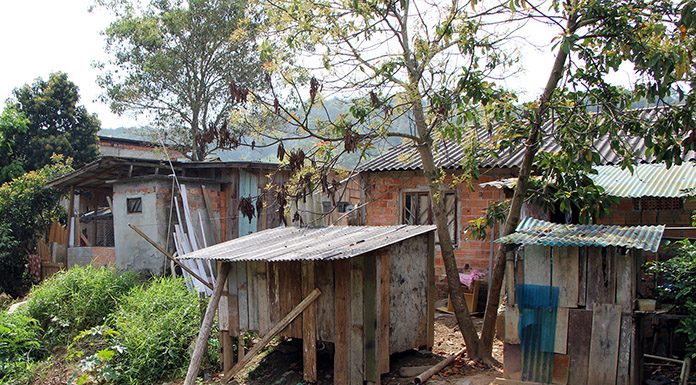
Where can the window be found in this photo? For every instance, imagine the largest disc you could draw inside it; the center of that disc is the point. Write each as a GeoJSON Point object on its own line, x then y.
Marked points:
{"type": "Point", "coordinates": [134, 205]}
{"type": "Point", "coordinates": [417, 210]}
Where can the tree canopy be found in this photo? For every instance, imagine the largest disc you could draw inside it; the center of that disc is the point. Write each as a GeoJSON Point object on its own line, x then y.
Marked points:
{"type": "Point", "coordinates": [174, 61]}
{"type": "Point", "coordinates": [42, 119]}
{"type": "Point", "coordinates": [437, 64]}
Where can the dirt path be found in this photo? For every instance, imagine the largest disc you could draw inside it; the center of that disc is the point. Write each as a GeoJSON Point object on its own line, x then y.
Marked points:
{"type": "Point", "coordinates": [283, 365]}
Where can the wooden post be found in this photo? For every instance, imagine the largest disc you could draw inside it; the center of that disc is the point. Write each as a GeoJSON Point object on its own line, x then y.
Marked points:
{"type": "Point", "coordinates": [384, 308]}
{"type": "Point", "coordinates": [204, 334]}
{"type": "Point", "coordinates": [342, 321]}
{"type": "Point", "coordinates": [71, 208]}
{"type": "Point", "coordinates": [309, 325]}
{"type": "Point", "coordinates": [282, 324]}
{"type": "Point", "coordinates": [430, 338]}
{"type": "Point", "coordinates": [161, 249]}
{"type": "Point", "coordinates": [357, 341]}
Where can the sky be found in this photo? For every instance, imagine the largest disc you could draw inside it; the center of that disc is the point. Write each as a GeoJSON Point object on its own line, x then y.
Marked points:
{"type": "Point", "coordinates": [38, 37]}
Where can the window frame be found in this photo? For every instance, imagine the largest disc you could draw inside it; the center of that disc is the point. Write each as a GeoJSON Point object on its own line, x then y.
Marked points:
{"type": "Point", "coordinates": [421, 192]}
{"type": "Point", "coordinates": [137, 208]}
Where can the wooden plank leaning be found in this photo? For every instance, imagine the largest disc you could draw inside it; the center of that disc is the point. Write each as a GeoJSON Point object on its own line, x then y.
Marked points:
{"type": "Point", "coordinates": [294, 313]}
{"type": "Point", "coordinates": [206, 325]}
{"type": "Point", "coordinates": [169, 256]}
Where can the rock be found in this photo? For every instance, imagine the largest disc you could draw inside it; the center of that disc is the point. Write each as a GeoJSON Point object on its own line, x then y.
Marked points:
{"type": "Point", "coordinates": [412, 371]}
{"type": "Point", "coordinates": [15, 307]}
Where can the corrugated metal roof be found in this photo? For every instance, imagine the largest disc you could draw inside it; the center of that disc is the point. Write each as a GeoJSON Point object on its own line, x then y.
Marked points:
{"type": "Point", "coordinates": [296, 244]}
{"type": "Point", "coordinates": [647, 180]}
{"type": "Point", "coordinates": [533, 231]}
{"type": "Point", "coordinates": [451, 154]}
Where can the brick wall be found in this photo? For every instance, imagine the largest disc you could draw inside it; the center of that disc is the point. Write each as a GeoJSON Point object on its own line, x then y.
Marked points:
{"type": "Point", "coordinates": [384, 191]}
{"type": "Point", "coordinates": [624, 213]}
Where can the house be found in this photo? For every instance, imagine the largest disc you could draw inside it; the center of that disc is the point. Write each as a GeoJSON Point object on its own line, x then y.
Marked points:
{"type": "Point", "coordinates": [107, 195]}
{"type": "Point", "coordinates": [134, 148]}
{"type": "Point", "coordinates": [571, 289]}
{"type": "Point", "coordinates": [395, 191]}
{"type": "Point", "coordinates": [375, 284]}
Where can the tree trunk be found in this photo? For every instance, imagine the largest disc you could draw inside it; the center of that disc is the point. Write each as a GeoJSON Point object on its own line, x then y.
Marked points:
{"type": "Point", "coordinates": [531, 145]}
{"type": "Point", "coordinates": [437, 192]}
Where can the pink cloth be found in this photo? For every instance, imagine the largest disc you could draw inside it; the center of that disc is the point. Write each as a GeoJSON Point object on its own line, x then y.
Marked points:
{"type": "Point", "coordinates": [469, 277]}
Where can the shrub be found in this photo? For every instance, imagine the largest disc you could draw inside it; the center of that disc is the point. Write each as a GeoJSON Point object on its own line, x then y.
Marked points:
{"type": "Point", "coordinates": [76, 300]}
{"type": "Point", "coordinates": [678, 285]}
{"type": "Point", "coordinates": [19, 347]}
{"type": "Point", "coordinates": [26, 208]}
{"type": "Point", "coordinates": [156, 325]}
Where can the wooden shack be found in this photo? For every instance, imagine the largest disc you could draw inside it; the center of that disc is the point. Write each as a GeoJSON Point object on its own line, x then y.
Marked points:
{"type": "Point", "coordinates": [376, 283]}
{"type": "Point", "coordinates": [571, 289]}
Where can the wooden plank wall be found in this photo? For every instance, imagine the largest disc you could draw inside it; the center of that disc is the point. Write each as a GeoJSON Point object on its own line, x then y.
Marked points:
{"type": "Point", "coordinates": [595, 329]}
{"type": "Point", "coordinates": [371, 305]}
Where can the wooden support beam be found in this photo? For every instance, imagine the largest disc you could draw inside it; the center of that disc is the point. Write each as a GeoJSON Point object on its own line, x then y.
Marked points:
{"type": "Point", "coordinates": [309, 325]}
{"type": "Point", "coordinates": [430, 338]}
{"type": "Point", "coordinates": [282, 324]}
{"type": "Point", "coordinates": [342, 321]}
{"type": "Point", "coordinates": [204, 334]}
{"type": "Point", "coordinates": [161, 249]}
{"type": "Point", "coordinates": [71, 209]}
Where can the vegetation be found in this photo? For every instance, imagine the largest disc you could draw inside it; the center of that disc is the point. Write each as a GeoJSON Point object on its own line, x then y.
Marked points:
{"type": "Point", "coordinates": [156, 323]}
{"type": "Point", "coordinates": [75, 300]}
{"type": "Point", "coordinates": [437, 64]}
{"type": "Point", "coordinates": [116, 331]}
{"type": "Point", "coordinates": [19, 347]}
{"type": "Point", "coordinates": [26, 208]}
{"type": "Point", "coordinates": [174, 60]}
{"type": "Point", "coordinates": [51, 122]}
{"type": "Point", "coordinates": [677, 277]}
{"type": "Point", "coordinates": [12, 125]}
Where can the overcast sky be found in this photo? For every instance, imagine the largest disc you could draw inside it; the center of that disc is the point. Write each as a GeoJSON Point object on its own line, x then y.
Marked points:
{"type": "Point", "coordinates": [38, 37]}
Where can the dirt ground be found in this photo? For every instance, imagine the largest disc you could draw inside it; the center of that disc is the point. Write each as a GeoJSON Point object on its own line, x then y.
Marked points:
{"type": "Point", "coordinates": [282, 365]}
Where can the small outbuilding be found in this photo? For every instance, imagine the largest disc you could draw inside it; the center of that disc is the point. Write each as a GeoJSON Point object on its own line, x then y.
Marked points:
{"type": "Point", "coordinates": [571, 291]}
{"type": "Point", "coordinates": [377, 293]}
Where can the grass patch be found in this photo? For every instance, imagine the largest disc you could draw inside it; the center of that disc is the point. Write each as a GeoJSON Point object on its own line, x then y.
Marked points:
{"type": "Point", "coordinates": [156, 325]}
{"type": "Point", "coordinates": [19, 347]}
{"type": "Point", "coordinates": [76, 300]}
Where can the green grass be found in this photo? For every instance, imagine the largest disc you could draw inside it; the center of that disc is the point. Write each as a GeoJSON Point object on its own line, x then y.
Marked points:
{"type": "Point", "coordinates": [19, 347]}
{"type": "Point", "coordinates": [76, 300]}
{"type": "Point", "coordinates": [157, 323]}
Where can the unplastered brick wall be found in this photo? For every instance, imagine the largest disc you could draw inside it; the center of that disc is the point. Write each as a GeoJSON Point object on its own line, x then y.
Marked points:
{"type": "Point", "coordinates": [626, 213]}
{"type": "Point", "coordinates": [384, 192]}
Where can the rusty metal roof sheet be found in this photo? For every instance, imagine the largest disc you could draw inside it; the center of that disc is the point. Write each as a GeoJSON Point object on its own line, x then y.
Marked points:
{"type": "Point", "coordinates": [297, 244]}
{"type": "Point", "coordinates": [533, 231]}
{"type": "Point", "coordinates": [648, 180]}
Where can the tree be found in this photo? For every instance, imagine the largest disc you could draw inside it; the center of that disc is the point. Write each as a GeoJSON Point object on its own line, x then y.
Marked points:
{"type": "Point", "coordinates": [433, 64]}
{"type": "Point", "coordinates": [174, 61]}
{"type": "Point", "coordinates": [50, 121]}
{"type": "Point", "coordinates": [26, 207]}
{"type": "Point", "coordinates": [426, 62]}
{"type": "Point", "coordinates": [12, 125]}
{"type": "Point", "coordinates": [597, 37]}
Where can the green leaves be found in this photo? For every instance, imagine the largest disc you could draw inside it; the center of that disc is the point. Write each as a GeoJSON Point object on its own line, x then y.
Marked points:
{"type": "Point", "coordinates": [176, 60]}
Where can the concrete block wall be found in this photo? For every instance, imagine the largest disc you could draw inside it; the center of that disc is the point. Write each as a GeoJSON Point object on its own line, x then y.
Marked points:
{"type": "Point", "coordinates": [132, 252]}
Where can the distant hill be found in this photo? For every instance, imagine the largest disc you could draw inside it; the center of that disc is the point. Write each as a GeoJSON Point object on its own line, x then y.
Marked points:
{"type": "Point", "coordinates": [335, 107]}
